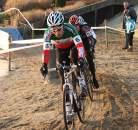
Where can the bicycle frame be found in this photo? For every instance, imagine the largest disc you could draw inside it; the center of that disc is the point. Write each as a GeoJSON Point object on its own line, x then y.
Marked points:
{"type": "Point", "coordinates": [67, 83]}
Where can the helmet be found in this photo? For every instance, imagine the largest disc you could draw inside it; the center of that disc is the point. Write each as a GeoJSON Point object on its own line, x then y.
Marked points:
{"type": "Point", "coordinates": [73, 19]}
{"type": "Point", "coordinates": [81, 20]}
{"type": "Point", "coordinates": [55, 18]}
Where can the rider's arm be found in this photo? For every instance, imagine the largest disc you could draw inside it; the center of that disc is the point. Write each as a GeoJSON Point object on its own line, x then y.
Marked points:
{"type": "Point", "coordinates": [46, 47]}
{"type": "Point", "coordinates": [93, 33]}
{"type": "Point", "coordinates": [79, 44]}
{"type": "Point", "coordinates": [89, 31]}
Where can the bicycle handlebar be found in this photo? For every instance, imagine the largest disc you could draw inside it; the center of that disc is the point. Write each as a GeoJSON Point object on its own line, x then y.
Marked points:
{"type": "Point", "coordinates": [54, 69]}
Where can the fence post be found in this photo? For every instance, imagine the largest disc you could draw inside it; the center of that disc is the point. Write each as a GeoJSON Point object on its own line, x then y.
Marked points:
{"type": "Point", "coordinates": [122, 40]}
{"type": "Point", "coordinates": [52, 64]}
{"type": "Point", "coordinates": [32, 33]}
{"type": "Point", "coordinates": [106, 37]}
{"type": "Point", "coordinates": [9, 54]}
{"type": "Point", "coordinates": [95, 22]}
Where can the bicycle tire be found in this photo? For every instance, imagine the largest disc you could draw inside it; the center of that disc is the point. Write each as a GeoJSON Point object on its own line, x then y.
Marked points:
{"type": "Point", "coordinates": [72, 125]}
{"type": "Point", "coordinates": [81, 113]}
{"type": "Point", "coordinates": [89, 83]}
{"type": "Point", "coordinates": [64, 107]}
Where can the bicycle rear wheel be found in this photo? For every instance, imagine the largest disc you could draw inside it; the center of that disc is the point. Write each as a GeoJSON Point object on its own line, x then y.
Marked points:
{"type": "Point", "coordinates": [89, 82]}
{"type": "Point", "coordinates": [81, 110]}
{"type": "Point", "coordinates": [80, 103]}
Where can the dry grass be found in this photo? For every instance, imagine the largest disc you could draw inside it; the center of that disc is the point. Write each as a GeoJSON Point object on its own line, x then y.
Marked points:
{"type": "Point", "coordinates": [91, 1]}
{"type": "Point", "coordinates": [35, 19]}
{"type": "Point", "coordinates": [72, 7]}
{"type": "Point", "coordinates": [28, 4]}
{"type": "Point", "coordinates": [34, 10]}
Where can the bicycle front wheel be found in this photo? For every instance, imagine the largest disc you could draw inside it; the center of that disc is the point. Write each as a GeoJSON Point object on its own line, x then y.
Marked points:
{"type": "Point", "coordinates": [69, 123]}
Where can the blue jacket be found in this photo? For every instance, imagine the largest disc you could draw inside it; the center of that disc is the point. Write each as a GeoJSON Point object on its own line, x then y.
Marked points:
{"type": "Point", "coordinates": [130, 25]}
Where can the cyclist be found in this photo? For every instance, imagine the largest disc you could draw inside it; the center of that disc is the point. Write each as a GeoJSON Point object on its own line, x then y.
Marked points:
{"type": "Point", "coordinates": [66, 40]}
{"type": "Point", "coordinates": [89, 40]}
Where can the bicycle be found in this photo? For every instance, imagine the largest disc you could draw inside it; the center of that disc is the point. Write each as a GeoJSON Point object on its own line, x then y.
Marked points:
{"type": "Point", "coordinates": [70, 97]}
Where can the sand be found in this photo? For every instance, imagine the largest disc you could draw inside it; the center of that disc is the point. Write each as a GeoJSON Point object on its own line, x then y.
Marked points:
{"type": "Point", "coordinates": [27, 104]}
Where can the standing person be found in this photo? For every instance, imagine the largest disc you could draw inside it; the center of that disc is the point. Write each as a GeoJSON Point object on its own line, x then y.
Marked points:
{"type": "Point", "coordinates": [130, 28]}
{"type": "Point", "coordinates": [89, 40]}
{"type": "Point", "coordinates": [128, 11]}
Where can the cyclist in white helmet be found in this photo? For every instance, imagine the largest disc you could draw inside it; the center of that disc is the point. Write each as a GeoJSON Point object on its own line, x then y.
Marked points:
{"type": "Point", "coordinates": [66, 40]}
{"type": "Point", "coordinates": [89, 40]}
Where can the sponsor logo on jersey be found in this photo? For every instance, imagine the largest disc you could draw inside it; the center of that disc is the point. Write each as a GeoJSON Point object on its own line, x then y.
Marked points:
{"type": "Point", "coordinates": [77, 39]}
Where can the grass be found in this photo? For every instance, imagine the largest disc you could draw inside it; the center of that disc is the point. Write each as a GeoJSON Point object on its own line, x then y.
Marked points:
{"type": "Point", "coordinates": [69, 7]}
{"type": "Point", "coordinates": [34, 10]}
{"type": "Point", "coordinates": [28, 4]}
{"type": "Point", "coordinates": [37, 19]}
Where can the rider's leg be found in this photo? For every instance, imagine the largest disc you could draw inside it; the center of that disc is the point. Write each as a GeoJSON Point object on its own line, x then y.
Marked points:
{"type": "Point", "coordinates": [81, 80]}
{"type": "Point", "coordinates": [89, 48]}
{"type": "Point", "coordinates": [92, 69]}
{"type": "Point", "coordinates": [62, 55]}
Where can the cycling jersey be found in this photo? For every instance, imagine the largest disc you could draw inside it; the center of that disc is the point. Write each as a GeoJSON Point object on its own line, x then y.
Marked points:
{"type": "Point", "coordinates": [86, 34]}
{"type": "Point", "coordinates": [69, 38]}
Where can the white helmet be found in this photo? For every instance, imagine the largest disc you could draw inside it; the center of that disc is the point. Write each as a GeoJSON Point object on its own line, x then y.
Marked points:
{"type": "Point", "coordinates": [55, 18]}
{"type": "Point", "coordinates": [81, 20]}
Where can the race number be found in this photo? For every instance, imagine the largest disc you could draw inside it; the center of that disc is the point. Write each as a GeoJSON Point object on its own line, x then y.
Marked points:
{"type": "Point", "coordinates": [89, 33]}
{"type": "Point", "coordinates": [77, 39]}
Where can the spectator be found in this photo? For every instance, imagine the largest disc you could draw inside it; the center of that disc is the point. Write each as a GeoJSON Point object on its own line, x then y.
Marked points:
{"type": "Point", "coordinates": [129, 12]}
{"type": "Point", "coordinates": [1, 8]}
{"type": "Point", "coordinates": [130, 28]}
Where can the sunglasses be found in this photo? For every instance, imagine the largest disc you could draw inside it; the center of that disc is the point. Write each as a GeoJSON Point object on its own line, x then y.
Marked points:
{"type": "Point", "coordinates": [56, 28]}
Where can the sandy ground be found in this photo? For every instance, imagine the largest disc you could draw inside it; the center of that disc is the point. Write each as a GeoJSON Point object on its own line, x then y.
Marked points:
{"type": "Point", "coordinates": [27, 104]}
{"type": "Point", "coordinates": [3, 67]}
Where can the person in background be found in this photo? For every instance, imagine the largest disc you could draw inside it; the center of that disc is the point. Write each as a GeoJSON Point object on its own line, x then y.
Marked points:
{"type": "Point", "coordinates": [128, 11]}
{"type": "Point", "coordinates": [130, 28]}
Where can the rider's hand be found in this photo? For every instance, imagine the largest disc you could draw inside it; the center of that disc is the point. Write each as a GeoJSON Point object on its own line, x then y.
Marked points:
{"type": "Point", "coordinates": [44, 70]}
{"type": "Point", "coordinates": [81, 62]}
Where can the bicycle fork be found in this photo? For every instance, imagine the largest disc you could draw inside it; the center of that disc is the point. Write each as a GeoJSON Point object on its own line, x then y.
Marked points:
{"type": "Point", "coordinates": [72, 98]}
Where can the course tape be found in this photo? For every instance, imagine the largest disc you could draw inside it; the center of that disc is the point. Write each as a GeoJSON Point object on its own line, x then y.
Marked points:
{"type": "Point", "coordinates": [38, 42]}
{"type": "Point", "coordinates": [19, 48]}
{"type": "Point", "coordinates": [95, 28]}
{"type": "Point", "coordinates": [30, 41]}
